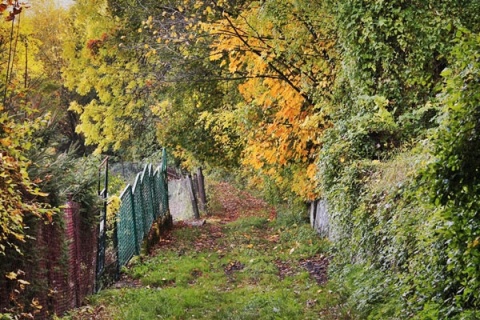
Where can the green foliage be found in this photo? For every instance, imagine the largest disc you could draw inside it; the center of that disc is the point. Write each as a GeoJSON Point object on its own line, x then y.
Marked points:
{"type": "Point", "coordinates": [208, 139]}
{"type": "Point", "coordinates": [369, 293]}
{"type": "Point", "coordinates": [395, 49]}
{"type": "Point", "coordinates": [373, 158]}
{"type": "Point", "coordinates": [66, 175]}
{"type": "Point", "coordinates": [454, 176]}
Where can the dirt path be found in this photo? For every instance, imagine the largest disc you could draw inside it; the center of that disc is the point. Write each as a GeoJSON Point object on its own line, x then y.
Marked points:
{"type": "Point", "coordinates": [230, 205]}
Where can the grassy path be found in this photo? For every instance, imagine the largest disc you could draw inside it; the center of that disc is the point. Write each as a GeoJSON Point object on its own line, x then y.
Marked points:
{"type": "Point", "coordinates": [244, 263]}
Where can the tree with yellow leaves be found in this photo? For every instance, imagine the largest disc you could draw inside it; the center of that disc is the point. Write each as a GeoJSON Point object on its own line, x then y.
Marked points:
{"type": "Point", "coordinates": [224, 82]}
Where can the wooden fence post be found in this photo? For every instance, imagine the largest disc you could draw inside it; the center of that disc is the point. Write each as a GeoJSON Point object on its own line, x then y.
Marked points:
{"type": "Point", "coordinates": [193, 198]}
{"type": "Point", "coordinates": [313, 213]}
{"type": "Point", "coordinates": [201, 190]}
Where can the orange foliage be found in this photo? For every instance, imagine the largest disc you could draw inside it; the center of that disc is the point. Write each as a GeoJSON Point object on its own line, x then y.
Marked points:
{"type": "Point", "coordinates": [285, 136]}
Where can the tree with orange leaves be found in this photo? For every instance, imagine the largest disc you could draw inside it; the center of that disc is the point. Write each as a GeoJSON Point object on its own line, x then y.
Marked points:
{"type": "Point", "coordinates": [286, 54]}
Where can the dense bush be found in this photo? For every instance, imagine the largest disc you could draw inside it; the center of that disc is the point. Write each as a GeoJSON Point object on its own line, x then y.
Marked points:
{"type": "Point", "coordinates": [406, 99]}
{"type": "Point", "coordinates": [454, 176]}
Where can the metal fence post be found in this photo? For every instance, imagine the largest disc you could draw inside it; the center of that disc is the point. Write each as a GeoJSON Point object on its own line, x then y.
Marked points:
{"type": "Point", "coordinates": [134, 217]}
{"type": "Point", "coordinates": [164, 181]}
{"type": "Point", "coordinates": [102, 228]}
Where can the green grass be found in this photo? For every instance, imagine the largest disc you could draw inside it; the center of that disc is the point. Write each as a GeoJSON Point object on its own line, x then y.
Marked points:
{"type": "Point", "coordinates": [233, 275]}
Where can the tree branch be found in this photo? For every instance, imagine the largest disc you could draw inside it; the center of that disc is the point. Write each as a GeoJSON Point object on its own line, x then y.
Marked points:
{"type": "Point", "coordinates": [270, 64]}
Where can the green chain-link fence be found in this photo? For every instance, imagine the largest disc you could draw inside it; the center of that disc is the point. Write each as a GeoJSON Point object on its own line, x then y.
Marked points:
{"type": "Point", "coordinates": [141, 205]}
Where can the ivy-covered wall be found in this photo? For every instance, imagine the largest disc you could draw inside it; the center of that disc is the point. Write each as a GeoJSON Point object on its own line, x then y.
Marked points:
{"type": "Point", "coordinates": [399, 167]}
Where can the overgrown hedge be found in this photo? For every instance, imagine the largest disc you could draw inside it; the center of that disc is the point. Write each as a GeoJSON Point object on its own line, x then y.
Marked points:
{"type": "Point", "coordinates": [399, 167]}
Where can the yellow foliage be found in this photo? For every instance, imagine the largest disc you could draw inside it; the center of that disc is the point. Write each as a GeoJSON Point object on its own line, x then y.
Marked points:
{"type": "Point", "coordinates": [113, 206]}
{"type": "Point", "coordinates": [286, 137]}
{"type": "Point", "coordinates": [19, 195]}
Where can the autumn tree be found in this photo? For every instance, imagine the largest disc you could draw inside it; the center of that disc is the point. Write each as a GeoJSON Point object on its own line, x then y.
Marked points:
{"type": "Point", "coordinates": [136, 63]}
{"type": "Point", "coordinates": [284, 53]}
{"type": "Point", "coordinates": [111, 81]}
{"type": "Point", "coordinates": [250, 80]}
{"type": "Point", "coordinates": [260, 83]}
{"type": "Point", "coordinates": [46, 91]}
